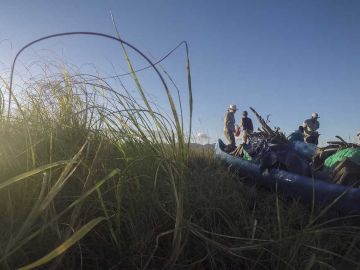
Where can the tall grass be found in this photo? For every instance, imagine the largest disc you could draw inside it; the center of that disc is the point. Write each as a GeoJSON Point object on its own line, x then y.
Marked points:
{"type": "Point", "coordinates": [115, 185]}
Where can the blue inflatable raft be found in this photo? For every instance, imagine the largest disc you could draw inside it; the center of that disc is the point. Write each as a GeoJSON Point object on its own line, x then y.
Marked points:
{"type": "Point", "coordinates": [309, 190]}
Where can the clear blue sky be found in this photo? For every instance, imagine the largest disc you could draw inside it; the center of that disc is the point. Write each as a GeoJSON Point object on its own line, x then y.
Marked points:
{"type": "Point", "coordinates": [284, 58]}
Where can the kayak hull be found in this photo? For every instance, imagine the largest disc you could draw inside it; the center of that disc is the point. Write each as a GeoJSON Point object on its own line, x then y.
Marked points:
{"type": "Point", "coordinates": [309, 190]}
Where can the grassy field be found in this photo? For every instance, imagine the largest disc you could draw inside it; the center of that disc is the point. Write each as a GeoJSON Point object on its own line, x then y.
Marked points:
{"type": "Point", "coordinates": [86, 186]}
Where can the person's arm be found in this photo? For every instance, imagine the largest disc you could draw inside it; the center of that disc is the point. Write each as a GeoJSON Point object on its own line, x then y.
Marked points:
{"type": "Point", "coordinates": [241, 123]}
{"type": "Point", "coordinates": [226, 121]}
{"type": "Point", "coordinates": [306, 128]}
{"type": "Point", "coordinates": [229, 122]}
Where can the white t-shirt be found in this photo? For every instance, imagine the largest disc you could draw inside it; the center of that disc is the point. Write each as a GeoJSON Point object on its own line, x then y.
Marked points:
{"type": "Point", "coordinates": [311, 125]}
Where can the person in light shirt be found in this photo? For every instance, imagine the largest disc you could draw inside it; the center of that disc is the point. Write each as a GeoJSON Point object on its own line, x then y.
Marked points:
{"type": "Point", "coordinates": [310, 129]}
{"type": "Point", "coordinates": [229, 126]}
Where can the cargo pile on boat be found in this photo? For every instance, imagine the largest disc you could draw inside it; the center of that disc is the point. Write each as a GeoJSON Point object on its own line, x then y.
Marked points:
{"type": "Point", "coordinates": [338, 161]}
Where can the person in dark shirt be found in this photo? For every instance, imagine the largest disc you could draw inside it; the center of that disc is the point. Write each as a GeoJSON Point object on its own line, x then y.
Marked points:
{"type": "Point", "coordinates": [297, 135]}
{"type": "Point", "coordinates": [247, 127]}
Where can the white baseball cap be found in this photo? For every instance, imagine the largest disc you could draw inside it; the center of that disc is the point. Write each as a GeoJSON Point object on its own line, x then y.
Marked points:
{"type": "Point", "coordinates": [232, 107]}
{"type": "Point", "coordinates": [315, 115]}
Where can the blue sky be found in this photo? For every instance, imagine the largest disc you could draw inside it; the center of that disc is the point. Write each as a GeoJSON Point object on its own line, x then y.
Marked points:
{"type": "Point", "coordinates": [284, 58]}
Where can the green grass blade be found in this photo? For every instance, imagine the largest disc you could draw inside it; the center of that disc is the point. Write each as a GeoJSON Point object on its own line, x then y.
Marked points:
{"type": "Point", "coordinates": [31, 173]}
{"type": "Point", "coordinates": [66, 245]}
{"type": "Point", "coordinates": [72, 205]}
{"type": "Point", "coordinates": [190, 92]}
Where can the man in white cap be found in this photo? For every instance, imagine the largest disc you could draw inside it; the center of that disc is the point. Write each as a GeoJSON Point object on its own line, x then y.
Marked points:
{"type": "Point", "coordinates": [229, 126]}
{"type": "Point", "coordinates": [310, 129]}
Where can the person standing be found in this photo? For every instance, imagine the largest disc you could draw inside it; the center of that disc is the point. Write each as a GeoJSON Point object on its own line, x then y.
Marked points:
{"type": "Point", "coordinates": [247, 127]}
{"type": "Point", "coordinates": [310, 129]}
{"type": "Point", "coordinates": [229, 126]}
